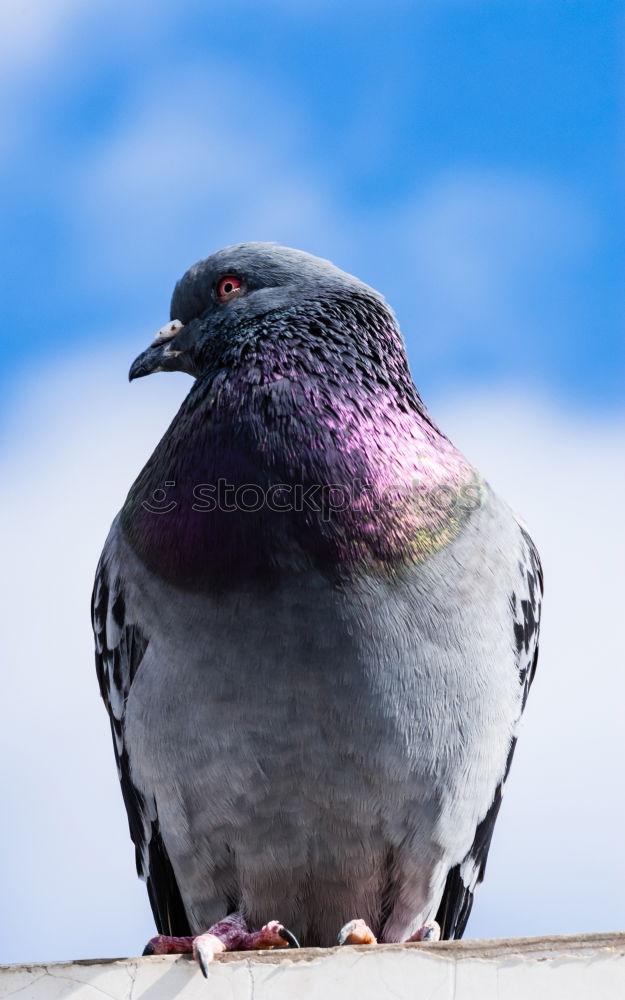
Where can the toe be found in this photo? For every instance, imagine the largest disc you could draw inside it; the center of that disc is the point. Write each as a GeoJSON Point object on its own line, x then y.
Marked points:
{"type": "Point", "coordinates": [164, 944]}
{"type": "Point", "coordinates": [272, 935]}
{"type": "Point", "coordinates": [430, 931]}
{"type": "Point", "coordinates": [356, 932]}
{"type": "Point", "coordinates": [205, 947]}
{"type": "Point", "coordinates": [288, 936]}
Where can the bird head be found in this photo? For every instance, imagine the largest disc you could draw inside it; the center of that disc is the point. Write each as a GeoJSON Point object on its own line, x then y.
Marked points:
{"type": "Point", "coordinates": [282, 299]}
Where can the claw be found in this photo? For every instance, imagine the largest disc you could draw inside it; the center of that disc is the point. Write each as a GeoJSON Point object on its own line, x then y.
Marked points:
{"type": "Point", "coordinates": [204, 959]}
{"type": "Point", "coordinates": [344, 932]}
{"type": "Point", "coordinates": [429, 932]}
{"type": "Point", "coordinates": [205, 947]}
{"type": "Point", "coordinates": [288, 935]}
{"type": "Point", "coordinates": [271, 935]}
{"type": "Point", "coordinates": [356, 932]}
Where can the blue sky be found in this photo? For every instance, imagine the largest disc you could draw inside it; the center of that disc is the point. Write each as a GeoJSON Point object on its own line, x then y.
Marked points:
{"type": "Point", "coordinates": [463, 156]}
{"type": "Point", "coordinates": [498, 124]}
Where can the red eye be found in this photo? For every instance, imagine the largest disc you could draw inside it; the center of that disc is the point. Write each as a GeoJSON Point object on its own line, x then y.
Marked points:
{"type": "Point", "coordinates": [228, 288]}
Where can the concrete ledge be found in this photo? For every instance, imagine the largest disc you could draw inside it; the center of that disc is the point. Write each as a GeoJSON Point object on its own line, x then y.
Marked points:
{"type": "Point", "coordinates": [587, 967]}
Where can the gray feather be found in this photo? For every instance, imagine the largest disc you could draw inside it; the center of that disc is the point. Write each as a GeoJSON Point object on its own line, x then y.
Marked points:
{"type": "Point", "coordinates": [312, 721]}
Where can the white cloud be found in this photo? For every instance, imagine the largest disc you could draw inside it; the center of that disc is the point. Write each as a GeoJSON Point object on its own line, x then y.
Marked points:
{"type": "Point", "coordinates": [30, 32]}
{"type": "Point", "coordinates": [556, 863]}
{"type": "Point", "coordinates": [81, 433]}
{"type": "Point", "coordinates": [68, 879]}
{"type": "Point", "coordinates": [32, 37]}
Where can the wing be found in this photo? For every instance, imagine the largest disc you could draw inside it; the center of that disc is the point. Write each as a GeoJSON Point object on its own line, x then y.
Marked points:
{"type": "Point", "coordinates": [120, 647]}
{"type": "Point", "coordinates": [462, 879]}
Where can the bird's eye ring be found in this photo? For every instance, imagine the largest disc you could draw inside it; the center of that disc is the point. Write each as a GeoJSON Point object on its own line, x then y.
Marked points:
{"type": "Point", "coordinates": [228, 288]}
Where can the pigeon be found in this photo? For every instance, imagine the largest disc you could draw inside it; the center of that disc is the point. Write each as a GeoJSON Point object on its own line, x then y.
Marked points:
{"type": "Point", "coordinates": [316, 627]}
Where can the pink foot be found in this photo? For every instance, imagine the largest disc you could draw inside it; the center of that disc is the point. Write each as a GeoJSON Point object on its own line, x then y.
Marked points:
{"type": "Point", "coordinates": [429, 932]}
{"type": "Point", "coordinates": [356, 932]}
{"type": "Point", "coordinates": [163, 944]}
{"type": "Point", "coordinates": [359, 932]}
{"type": "Point", "coordinates": [230, 934]}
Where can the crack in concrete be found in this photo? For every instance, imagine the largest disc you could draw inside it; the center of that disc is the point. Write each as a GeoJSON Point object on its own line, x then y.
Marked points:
{"type": "Point", "coordinates": [81, 982]}
{"type": "Point", "coordinates": [31, 982]}
{"type": "Point", "coordinates": [250, 973]}
{"type": "Point", "coordinates": [494, 963]}
{"type": "Point", "coordinates": [132, 971]}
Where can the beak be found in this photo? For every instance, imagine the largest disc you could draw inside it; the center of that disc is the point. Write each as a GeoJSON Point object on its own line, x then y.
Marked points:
{"type": "Point", "coordinates": [161, 355]}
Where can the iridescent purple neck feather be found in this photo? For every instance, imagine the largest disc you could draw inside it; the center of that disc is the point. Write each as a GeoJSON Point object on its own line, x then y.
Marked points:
{"type": "Point", "coordinates": [304, 444]}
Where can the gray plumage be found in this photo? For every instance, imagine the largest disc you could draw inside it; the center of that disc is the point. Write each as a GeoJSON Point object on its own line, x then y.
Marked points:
{"type": "Point", "coordinates": [313, 711]}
